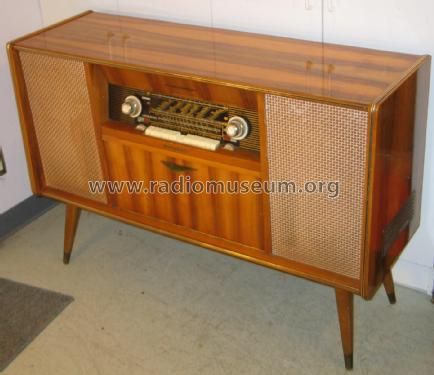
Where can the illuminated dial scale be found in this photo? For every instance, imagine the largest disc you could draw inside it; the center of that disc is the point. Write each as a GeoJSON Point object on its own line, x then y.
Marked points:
{"type": "Point", "coordinates": [165, 110]}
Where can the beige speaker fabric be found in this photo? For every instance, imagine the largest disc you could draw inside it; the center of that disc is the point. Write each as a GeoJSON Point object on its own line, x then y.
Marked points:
{"type": "Point", "coordinates": [313, 142]}
{"type": "Point", "coordinates": [62, 118]}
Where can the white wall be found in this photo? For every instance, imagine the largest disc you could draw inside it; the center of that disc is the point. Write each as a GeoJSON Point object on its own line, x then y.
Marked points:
{"type": "Point", "coordinates": [401, 26]}
{"type": "Point", "coordinates": [17, 17]}
{"type": "Point", "coordinates": [295, 18]}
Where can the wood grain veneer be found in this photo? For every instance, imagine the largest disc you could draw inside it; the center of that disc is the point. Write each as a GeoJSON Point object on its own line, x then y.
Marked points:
{"type": "Point", "coordinates": [235, 217]}
{"type": "Point", "coordinates": [324, 71]}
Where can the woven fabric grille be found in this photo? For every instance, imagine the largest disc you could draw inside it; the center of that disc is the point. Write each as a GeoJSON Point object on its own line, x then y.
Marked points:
{"type": "Point", "coordinates": [62, 118]}
{"type": "Point", "coordinates": [310, 141]}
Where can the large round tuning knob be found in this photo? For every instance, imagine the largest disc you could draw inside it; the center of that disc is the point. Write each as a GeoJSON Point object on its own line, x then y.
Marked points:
{"type": "Point", "coordinates": [132, 106]}
{"type": "Point", "coordinates": [237, 128]}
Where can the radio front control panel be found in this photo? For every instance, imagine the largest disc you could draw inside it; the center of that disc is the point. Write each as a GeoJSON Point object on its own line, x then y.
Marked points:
{"type": "Point", "coordinates": [188, 121]}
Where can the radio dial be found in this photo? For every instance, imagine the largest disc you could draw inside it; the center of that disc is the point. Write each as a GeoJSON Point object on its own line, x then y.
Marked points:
{"type": "Point", "coordinates": [132, 106]}
{"type": "Point", "coordinates": [237, 128]}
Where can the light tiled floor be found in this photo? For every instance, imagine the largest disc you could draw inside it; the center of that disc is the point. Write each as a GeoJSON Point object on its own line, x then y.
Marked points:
{"type": "Point", "coordinates": [147, 304]}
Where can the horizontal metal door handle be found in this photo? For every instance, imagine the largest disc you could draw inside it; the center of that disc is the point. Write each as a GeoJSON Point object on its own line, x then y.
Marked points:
{"type": "Point", "coordinates": [177, 167]}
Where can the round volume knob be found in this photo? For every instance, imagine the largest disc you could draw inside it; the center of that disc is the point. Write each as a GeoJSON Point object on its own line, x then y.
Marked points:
{"type": "Point", "coordinates": [132, 106]}
{"type": "Point", "coordinates": [237, 128]}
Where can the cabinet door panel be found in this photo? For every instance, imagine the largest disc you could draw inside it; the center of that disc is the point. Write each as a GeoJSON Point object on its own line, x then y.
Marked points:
{"type": "Point", "coordinates": [228, 225]}
{"type": "Point", "coordinates": [118, 172]}
{"type": "Point", "coordinates": [183, 202]}
{"type": "Point", "coordinates": [232, 216]}
{"type": "Point", "coordinates": [252, 223]}
{"type": "Point", "coordinates": [139, 164]}
{"type": "Point", "coordinates": [203, 205]}
{"type": "Point", "coordinates": [163, 202]}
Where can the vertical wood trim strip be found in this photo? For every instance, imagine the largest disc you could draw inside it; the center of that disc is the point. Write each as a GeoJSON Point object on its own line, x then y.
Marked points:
{"type": "Point", "coordinates": [31, 147]}
{"type": "Point", "coordinates": [264, 171]}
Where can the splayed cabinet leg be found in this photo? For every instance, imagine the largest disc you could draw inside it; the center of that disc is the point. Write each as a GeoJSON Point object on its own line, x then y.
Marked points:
{"type": "Point", "coordinates": [345, 307]}
{"type": "Point", "coordinates": [389, 286]}
{"type": "Point", "coordinates": [71, 222]}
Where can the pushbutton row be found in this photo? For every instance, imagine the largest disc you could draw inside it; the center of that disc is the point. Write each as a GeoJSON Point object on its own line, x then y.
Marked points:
{"type": "Point", "coordinates": [188, 139]}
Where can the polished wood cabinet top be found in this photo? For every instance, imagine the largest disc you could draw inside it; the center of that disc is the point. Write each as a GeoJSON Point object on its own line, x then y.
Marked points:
{"type": "Point", "coordinates": [280, 65]}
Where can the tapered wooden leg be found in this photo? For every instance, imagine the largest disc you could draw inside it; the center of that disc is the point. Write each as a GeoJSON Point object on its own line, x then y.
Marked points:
{"type": "Point", "coordinates": [71, 222]}
{"type": "Point", "coordinates": [389, 287]}
{"type": "Point", "coordinates": [345, 303]}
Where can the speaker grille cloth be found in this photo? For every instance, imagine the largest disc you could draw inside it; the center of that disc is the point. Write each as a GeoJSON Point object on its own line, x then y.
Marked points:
{"type": "Point", "coordinates": [309, 141]}
{"type": "Point", "coordinates": [62, 118]}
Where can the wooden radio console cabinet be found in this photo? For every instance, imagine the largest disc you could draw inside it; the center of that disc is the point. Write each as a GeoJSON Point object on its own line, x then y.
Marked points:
{"type": "Point", "coordinates": [105, 98]}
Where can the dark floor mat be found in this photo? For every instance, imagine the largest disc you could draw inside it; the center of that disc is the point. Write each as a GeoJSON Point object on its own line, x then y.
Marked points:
{"type": "Point", "coordinates": [25, 311]}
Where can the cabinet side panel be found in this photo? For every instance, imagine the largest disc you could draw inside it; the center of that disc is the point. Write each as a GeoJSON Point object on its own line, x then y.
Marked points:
{"type": "Point", "coordinates": [397, 170]}
{"type": "Point", "coordinates": [308, 144]}
{"type": "Point", "coordinates": [62, 120]}
{"type": "Point", "coordinates": [420, 120]}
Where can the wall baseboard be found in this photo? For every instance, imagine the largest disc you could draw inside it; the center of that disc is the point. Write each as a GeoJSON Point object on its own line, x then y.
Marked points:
{"type": "Point", "coordinates": [22, 214]}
